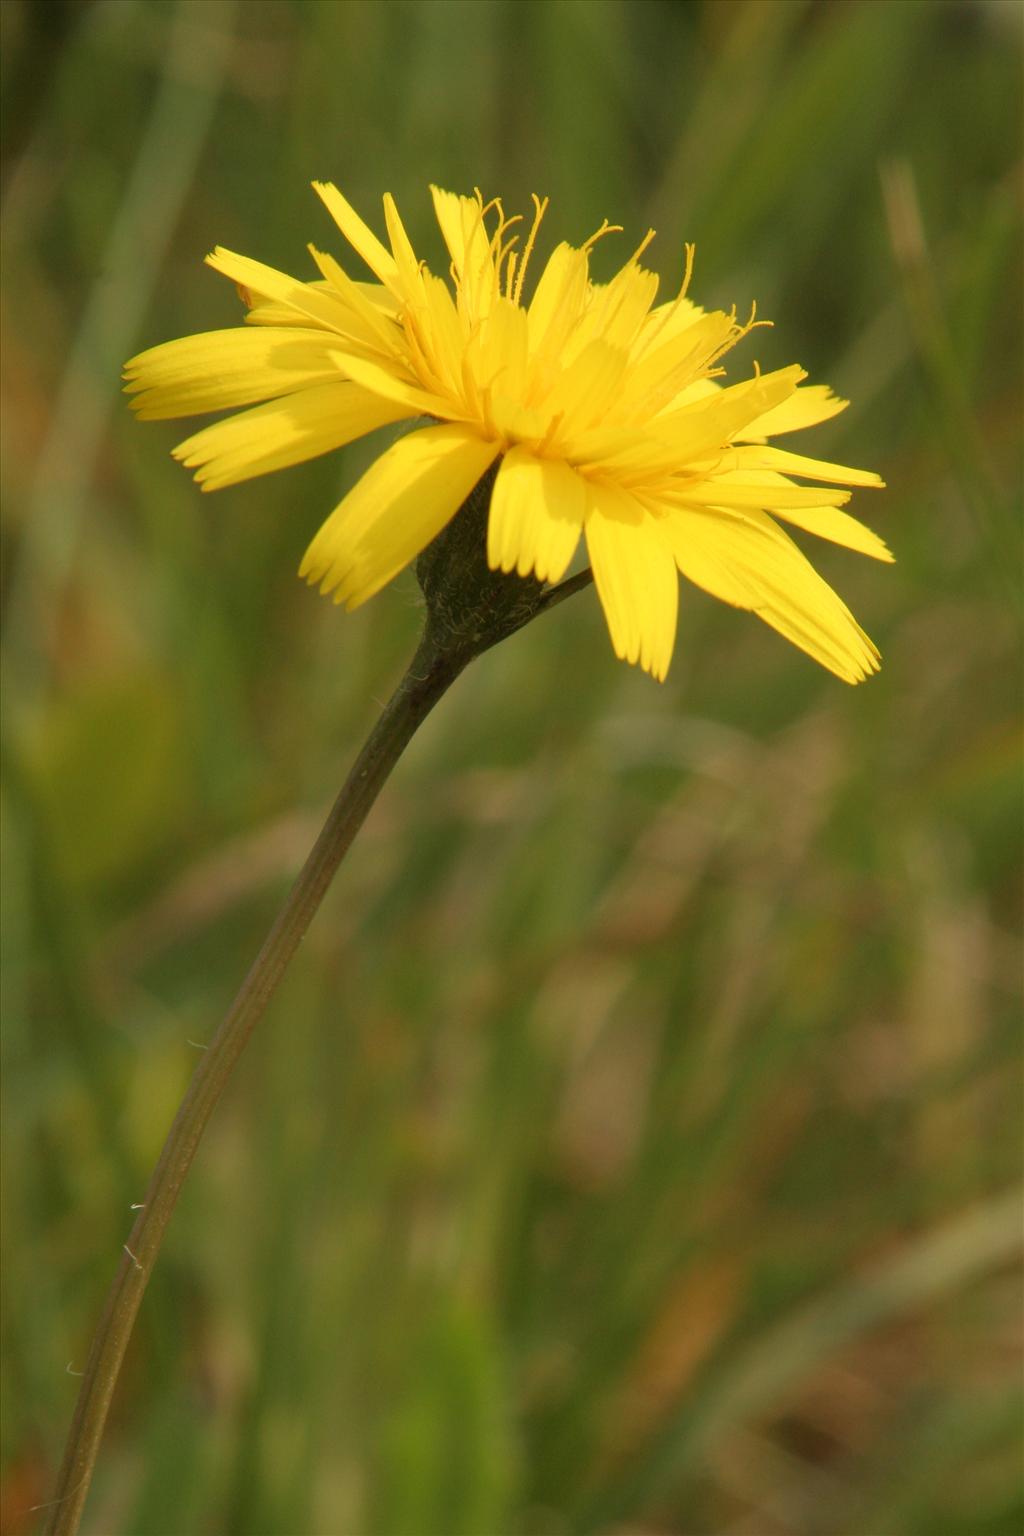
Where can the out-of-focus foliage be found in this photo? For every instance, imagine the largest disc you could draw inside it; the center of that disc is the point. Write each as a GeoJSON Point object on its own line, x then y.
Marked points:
{"type": "Point", "coordinates": [635, 1143]}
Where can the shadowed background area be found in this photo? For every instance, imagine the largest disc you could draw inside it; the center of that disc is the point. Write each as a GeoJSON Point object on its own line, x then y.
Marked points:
{"type": "Point", "coordinates": [635, 1145]}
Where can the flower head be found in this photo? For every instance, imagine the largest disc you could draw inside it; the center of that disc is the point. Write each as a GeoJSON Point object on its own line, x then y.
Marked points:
{"type": "Point", "coordinates": [605, 410]}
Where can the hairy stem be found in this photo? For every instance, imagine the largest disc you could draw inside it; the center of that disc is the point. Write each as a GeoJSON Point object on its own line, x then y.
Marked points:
{"type": "Point", "coordinates": [431, 672]}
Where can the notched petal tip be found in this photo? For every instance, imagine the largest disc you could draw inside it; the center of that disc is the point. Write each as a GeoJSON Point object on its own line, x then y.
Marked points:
{"type": "Point", "coordinates": [870, 668]}
{"type": "Point", "coordinates": [323, 574]}
{"type": "Point", "coordinates": [655, 669]}
{"type": "Point", "coordinates": [866, 663]}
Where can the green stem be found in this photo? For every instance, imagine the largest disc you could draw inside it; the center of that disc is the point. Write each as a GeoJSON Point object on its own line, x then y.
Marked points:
{"type": "Point", "coordinates": [555, 595]}
{"type": "Point", "coordinates": [431, 672]}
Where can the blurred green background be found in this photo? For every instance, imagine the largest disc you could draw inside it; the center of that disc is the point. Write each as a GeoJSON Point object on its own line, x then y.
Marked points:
{"type": "Point", "coordinates": [635, 1145]}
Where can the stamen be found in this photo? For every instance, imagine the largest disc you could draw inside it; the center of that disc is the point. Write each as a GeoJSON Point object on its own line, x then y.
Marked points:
{"type": "Point", "coordinates": [540, 206]}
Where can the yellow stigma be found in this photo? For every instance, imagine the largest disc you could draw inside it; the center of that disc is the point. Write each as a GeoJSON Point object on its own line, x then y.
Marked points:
{"type": "Point", "coordinates": [606, 229]}
{"type": "Point", "coordinates": [540, 206]}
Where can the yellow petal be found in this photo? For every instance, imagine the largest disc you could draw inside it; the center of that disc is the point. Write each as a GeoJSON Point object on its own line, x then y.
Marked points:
{"type": "Point", "coordinates": [724, 491]}
{"type": "Point", "coordinates": [401, 246]}
{"type": "Point", "coordinates": [752, 564]}
{"type": "Point", "coordinates": [839, 528]}
{"type": "Point", "coordinates": [287, 431]}
{"type": "Point", "coordinates": [303, 299]}
{"type": "Point", "coordinates": [265, 311]}
{"type": "Point", "coordinates": [220, 369]}
{"type": "Point", "coordinates": [391, 384]}
{"type": "Point", "coordinates": [558, 299]}
{"type": "Point", "coordinates": [710, 422]}
{"type": "Point", "coordinates": [635, 578]}
{"type": "Point", "coordinates": [823, 519]}
{"type": "Point", "coordinates": [700, 389]}
{"type": "Point", "coordinates": [617, 310]}
{"type": "Point", "coordinates": [658, 382]}
{"type": "Point", "coordinates": [359, 235]}
{"type": "Point", "coordinates": [469, 245]}
{"type": "Point", "coordinates": [401, 503]}
{"type": "Point", "coordinates": [536, 516]}
{"type": "Point", "coordinates": [585, 390]}
{"type": "Point", "coordinates": [687, 434]}
{"type": "Point", "coordinates": [448, 212]}
{"type": "Point", "coordinates": [667, 320]}
{"type": "Point", "coordinates": [498, 348]}
{"type": "Point", "coordinates": [262, 310]}
{"type": "Point", "coordinates": [807, 407]}
{"type": "Point", "coordinates": [377, 327]}
{"type": "Point", "coordinates": [755, 456]}
{"type": "Point", "coordinates": [814, 508]}
{"type": "Point", "coordinates": [435, 340]}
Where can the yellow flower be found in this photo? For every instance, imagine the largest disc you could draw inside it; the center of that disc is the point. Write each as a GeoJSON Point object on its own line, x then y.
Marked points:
{"type": "Point", "coordinates": [604, 409]}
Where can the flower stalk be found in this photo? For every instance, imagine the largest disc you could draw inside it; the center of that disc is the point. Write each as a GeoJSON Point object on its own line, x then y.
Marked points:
{"type": "Point", "coordinates": [429, 676]}
{"type": "Point", "coordinates": [469, 609]}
